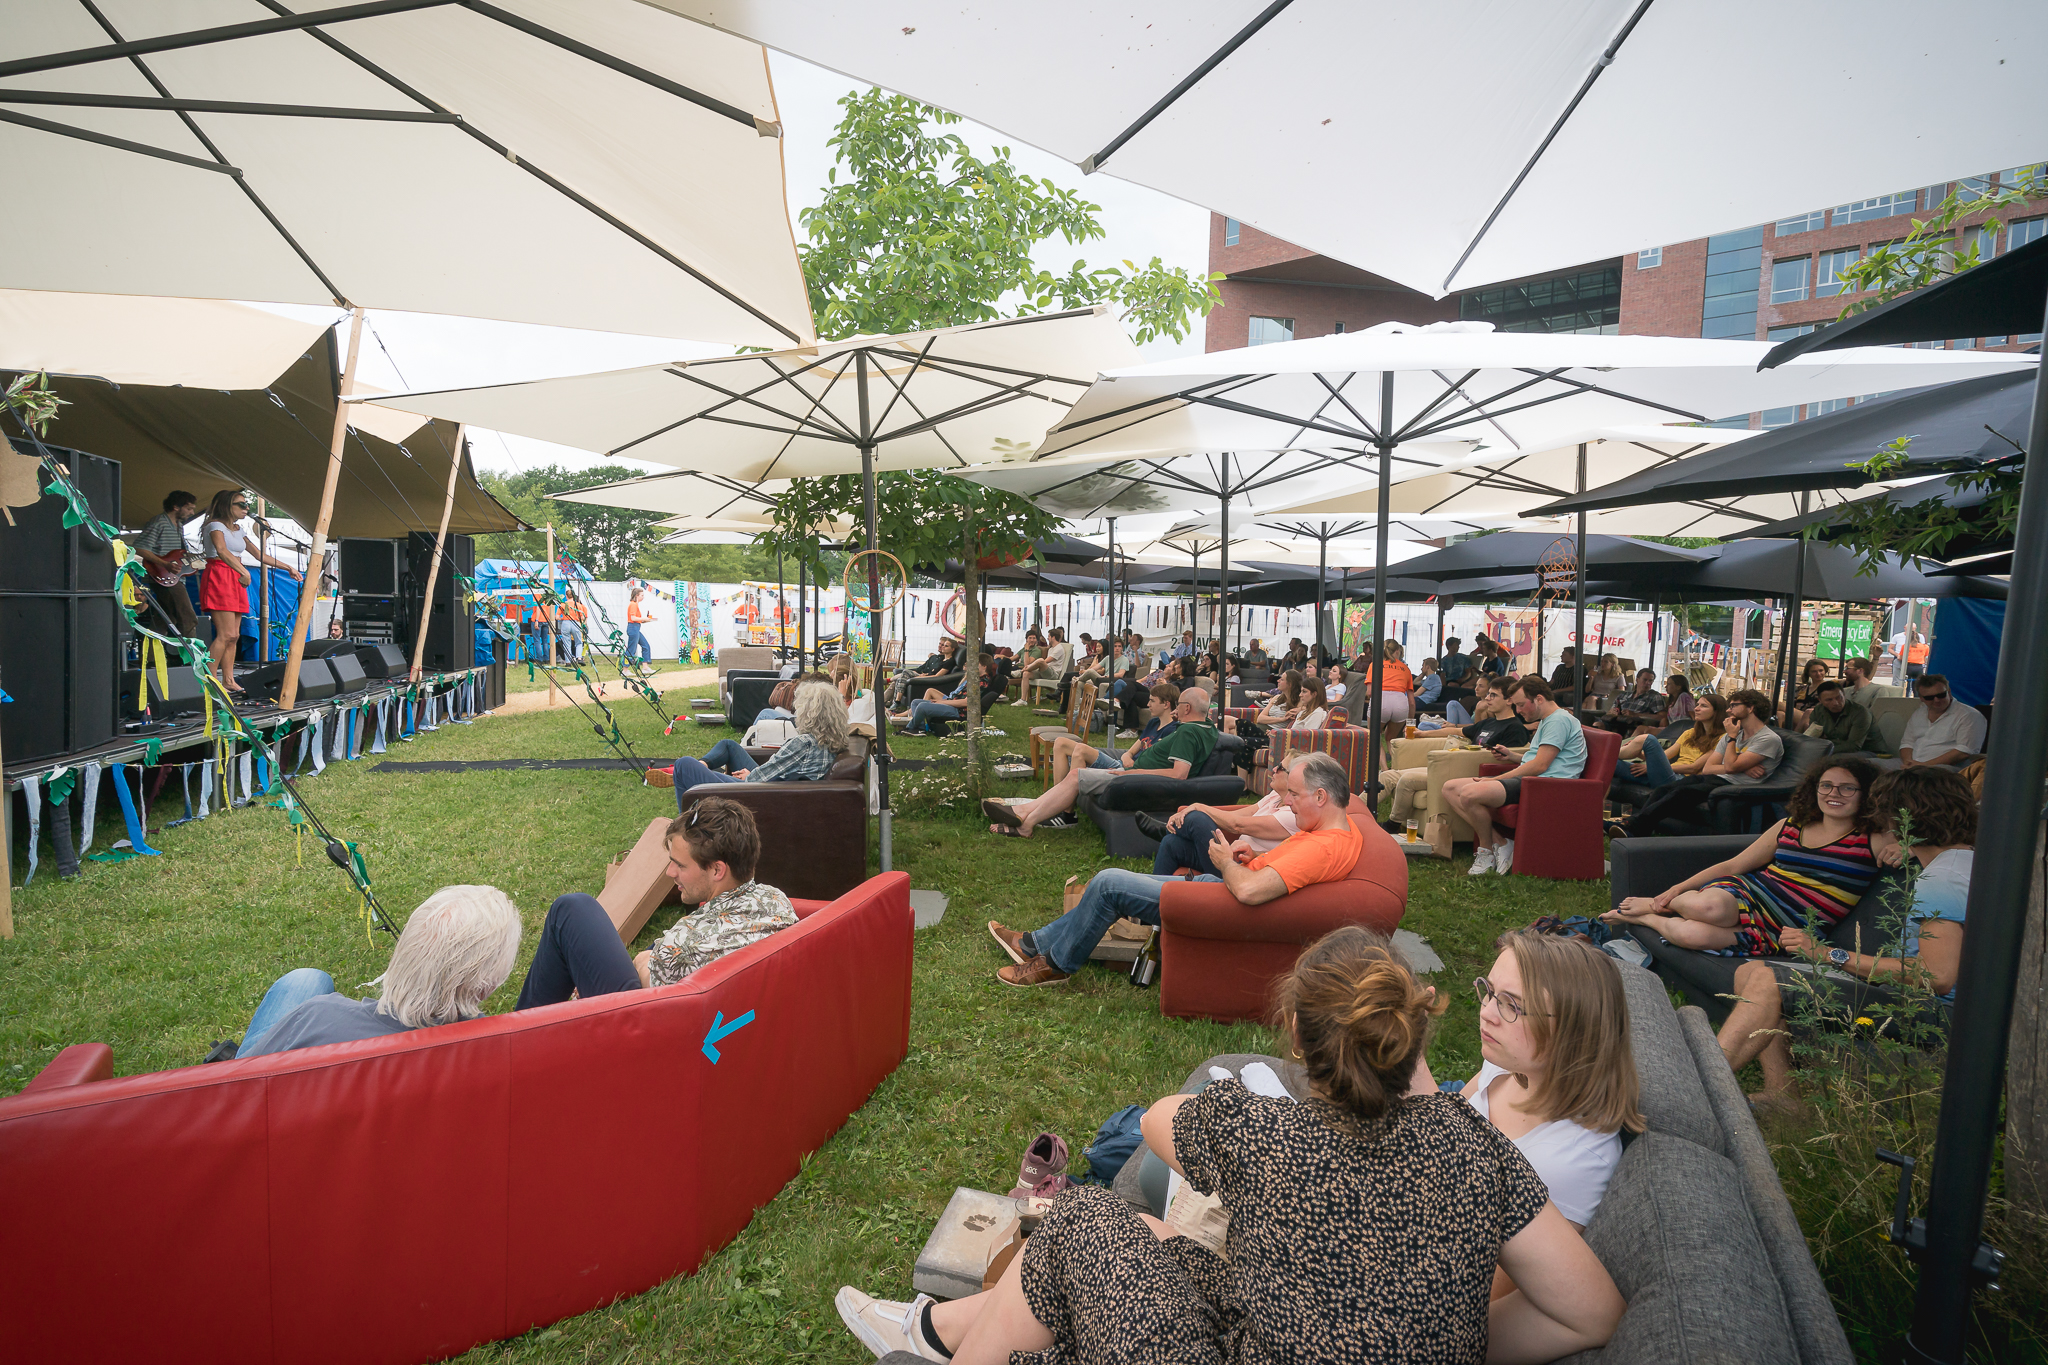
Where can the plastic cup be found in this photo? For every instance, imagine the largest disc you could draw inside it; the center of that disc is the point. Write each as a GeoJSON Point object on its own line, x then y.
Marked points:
{"type": "Point", "coordinates": [1414, 832]}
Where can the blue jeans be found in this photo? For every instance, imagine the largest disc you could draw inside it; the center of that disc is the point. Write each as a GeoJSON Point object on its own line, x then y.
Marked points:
{"type": "Point", "coordinates": [286, 994]}
{"type": "Point", "coordinates": [1187, 846]}
{"type": "Point", "coordinates": [1659, 775]}
{"type": "Point", "coordinates": [692, 772]}
{"type": "Point", "coordinates": [1456, 714]}
{"type": "Point", "coordinates": [727, 756]}
{"type": "Point", "coordinates": [923, 713]}
{"type": "Point", "coordinates": [579, 950]}
{"type": "Point", "coordinates": [1114, 894]}
{"type": "Point", "coordinates": [636, 641]}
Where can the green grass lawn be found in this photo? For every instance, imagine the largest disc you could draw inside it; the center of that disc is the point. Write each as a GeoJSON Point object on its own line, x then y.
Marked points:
{"type": "Point", "coordinates": [160, 956]}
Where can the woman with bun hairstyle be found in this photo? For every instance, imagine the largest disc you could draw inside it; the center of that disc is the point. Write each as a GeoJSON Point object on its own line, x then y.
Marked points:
{"type": "Point", "coordinates": [1559, 1079]}
{"type": "Point", "coordinates": [1365, 1221]}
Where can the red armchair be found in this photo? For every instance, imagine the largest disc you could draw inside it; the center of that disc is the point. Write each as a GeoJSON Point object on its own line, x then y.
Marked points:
{"type": "Point", "coordinates": [1558, 826]}
{"type": "Point", "coordinates": [1218, 959]}
{"type": "Point", "coordinates": [406, 1198]}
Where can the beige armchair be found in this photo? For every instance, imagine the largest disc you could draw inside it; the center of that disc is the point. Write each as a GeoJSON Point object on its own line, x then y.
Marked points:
{"type": "Point", "coordinates": [1440, 760]}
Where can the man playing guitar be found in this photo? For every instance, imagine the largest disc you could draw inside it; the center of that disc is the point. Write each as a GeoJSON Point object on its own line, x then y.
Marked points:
{"type": "Point", "coordinates": [164, 554]}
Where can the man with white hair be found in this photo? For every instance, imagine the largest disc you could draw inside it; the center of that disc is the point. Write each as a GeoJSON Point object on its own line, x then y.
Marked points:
{"type": "Point", "coordinates": [459, 946]}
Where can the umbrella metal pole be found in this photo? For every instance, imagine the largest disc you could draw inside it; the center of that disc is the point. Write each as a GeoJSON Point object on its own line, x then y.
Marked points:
{"type": "Point", "coordinates": [1842, 653]}
{"type": "Point", "coordinates": [1109, 652]}
{"type": "Point", "coordinates": [1790, 671]}
{"type": "Point", "coordinates": [1224, 622]}
{"type": "Point", "coordinates": [867, 486]}
{"type": "Point", "coordinates": [1987, 978]}
{"type": "Point", "coordinates": [1579, 603]}
{"type": "Point", "coordinates": [1322, 567]}
{"type": "Point", "coordinates": [1379, 591]}
{"type": "Point", "coordinates": [803, 576]}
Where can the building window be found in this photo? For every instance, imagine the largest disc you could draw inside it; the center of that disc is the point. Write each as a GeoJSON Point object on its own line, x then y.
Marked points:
{"type": "Point", "coordinates": [1788, 280]}
{"type": "Point", "coordinates": [1230, 231]}
{"type": "Point", "coordinates": [1734, 269]}
{"type": "Point", "coordinates": [1987, 244]}
{"type": "Point", "coordinates": [1826, 406]}
{"type": "Point", "coordinates": [1827, 276]}
{"type": "Point", "coordinates": [1340, 329]}
{"type": "Point", "coordinates": [1884, 206]}
{"type": "Point", "coordinates": [1931, 197]}
{"type": "Point", "coordinates": [1780, 417]}
{"type": "Point", "coordinates": [1787, 332]}
{"type": "Point", "coordinates": [1805, 222]}
{"type": "Point", "coordinates": [1975, 188]}
{"type": "Point", "coordinates": [2014, 176]}
{"type": "Point", "coordinates": [1586, 302]}
{"type": "Point", "coordinates": [1266, 331]}
{"type": "Point", "coordinates": [2024, 231]}
{"type": "Point", "coordinates": [1649, 258]}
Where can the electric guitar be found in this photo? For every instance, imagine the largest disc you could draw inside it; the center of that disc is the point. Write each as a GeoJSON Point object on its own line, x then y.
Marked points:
{"type": "Point", "coordinates": [182, 564]}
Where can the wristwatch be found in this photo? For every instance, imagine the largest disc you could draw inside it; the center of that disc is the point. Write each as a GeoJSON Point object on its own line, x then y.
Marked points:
{"type": "Point", "coordinates": [1839, 956]}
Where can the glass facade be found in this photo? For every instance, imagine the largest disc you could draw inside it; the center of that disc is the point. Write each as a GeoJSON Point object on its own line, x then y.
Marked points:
{"type": "Point", "coordinates": [1266, 331]}
{"type": "Point", "coordinates": [1585, 301]}
{"type": "Point", "coordinates": [1805, 222]}
{"type": "Point", "coordinates": [1884, 206]}
{"type": "Point", "coordinates": [1734, 268]}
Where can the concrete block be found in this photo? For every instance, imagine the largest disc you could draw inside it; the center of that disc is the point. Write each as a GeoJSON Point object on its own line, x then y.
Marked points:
{"type": "Point", "coordinates": [975, 1226]}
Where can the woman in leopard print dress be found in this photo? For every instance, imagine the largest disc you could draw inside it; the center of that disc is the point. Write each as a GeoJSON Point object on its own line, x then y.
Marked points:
{"type": "Point", "coordinates": [1365, 1222]}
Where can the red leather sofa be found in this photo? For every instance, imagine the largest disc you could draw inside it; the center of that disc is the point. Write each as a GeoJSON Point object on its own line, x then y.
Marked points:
{"type": "Point", "coordinates": [1218, 959]}
{"type": "Point", "coordinates": [1558, 825]}
{"type": "Point", "coordinates": [406, 1198]}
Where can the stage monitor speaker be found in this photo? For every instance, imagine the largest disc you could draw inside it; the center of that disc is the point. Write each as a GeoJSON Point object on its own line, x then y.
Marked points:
{"type": "Point", "coordinates": [60, 660]}
{"type": "Point", "coordinates": [450, 628]}
{"type": "Point", "coordinates": [324, 648]}
{"type": "Point", "coordinates": [39, 554]}
{"type": "Point", "coordinates": [383, 661]}
{"type": "Point", "coordinates": [316, 680]}
{"type": "Point", "coordinates": [348, 671]}
{"type": "Point", "coordinates": [370, 566]}
{"type": "Point", "coordinates": [185, 692]}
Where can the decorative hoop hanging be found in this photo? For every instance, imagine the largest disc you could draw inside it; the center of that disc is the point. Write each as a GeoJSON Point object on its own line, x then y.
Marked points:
{"type": "Point", "coordinates": [902, 578]}
{"type": "Point", "coordinates": [955, 606]}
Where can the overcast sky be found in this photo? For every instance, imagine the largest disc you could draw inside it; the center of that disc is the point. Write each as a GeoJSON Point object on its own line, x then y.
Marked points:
{"type": "Point", "coordinates": [424, 351]}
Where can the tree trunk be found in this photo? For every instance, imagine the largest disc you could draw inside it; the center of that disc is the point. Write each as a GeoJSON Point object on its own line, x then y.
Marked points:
{"type": "Point", "coordinates": [970, 582]}
{"type": "Point", "coordinates": [2026, 1073]}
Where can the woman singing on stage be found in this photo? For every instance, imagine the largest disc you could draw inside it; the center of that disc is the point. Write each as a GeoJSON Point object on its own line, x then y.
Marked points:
{"type": "Point", "coordinates": [224, 586]}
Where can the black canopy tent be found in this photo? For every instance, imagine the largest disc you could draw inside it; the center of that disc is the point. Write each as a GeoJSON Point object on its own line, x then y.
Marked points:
{"type": "Point", "coordinates": [2007, 296]}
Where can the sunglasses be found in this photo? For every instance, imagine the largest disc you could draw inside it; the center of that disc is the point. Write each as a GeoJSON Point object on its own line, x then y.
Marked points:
{"type": "Point", "coordinates": [1934, 696]}
{"type": "Point", "coordinates": [1511, 1008]}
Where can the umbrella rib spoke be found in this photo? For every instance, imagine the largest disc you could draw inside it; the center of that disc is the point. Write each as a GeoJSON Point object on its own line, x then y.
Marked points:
{"type": "Point", "coordinates": [249, 191]}
{"type": "Point", "coordinates": [171, 104]}
{"type": "Point", "coordinates": [119, 144]}
{"type": "Point", "coordinates": [609, 219]}
{"type": "Point", "coordinates": [1337, 395]}
{"type": "Point", "coordinates": [1585, 387]}
{"type": "Point", "coordinates": [802, 421]}
{"type": "Point", "coordinates": [1184, 396]}
{"type": "Point", "coordinates": [1450, 388]}
{"type": "Point", "coordinates": [1231, 405]}
{"type": "Point", "coordinates": [897, 389]}
{"type": "Point", "coordinates": [792, 379]}
{"type": "Point", "coordinates": [1478, 405]}
{"type": "Point", "coordinates": [171, 42]}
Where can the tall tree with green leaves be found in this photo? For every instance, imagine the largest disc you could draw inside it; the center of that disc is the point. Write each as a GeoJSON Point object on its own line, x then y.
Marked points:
{"type": "Point", "coordinates": [917, 231]}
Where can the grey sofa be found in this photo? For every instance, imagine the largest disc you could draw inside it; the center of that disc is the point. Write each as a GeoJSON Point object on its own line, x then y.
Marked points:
{"type": "Point", "coordinates": [1695, 1227]}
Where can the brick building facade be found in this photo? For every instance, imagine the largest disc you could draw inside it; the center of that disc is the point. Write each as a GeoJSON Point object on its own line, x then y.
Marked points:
{"type": "Point", "coordinates": [1767, 282]}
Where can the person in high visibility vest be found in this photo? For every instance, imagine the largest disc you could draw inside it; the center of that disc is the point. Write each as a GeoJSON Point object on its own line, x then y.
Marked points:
{"type": "Point", "coordinates": [637, 616]}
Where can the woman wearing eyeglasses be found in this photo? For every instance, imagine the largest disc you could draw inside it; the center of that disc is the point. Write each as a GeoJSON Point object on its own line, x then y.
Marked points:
{"type": "Point", "coordinates": [224, 585]}
{"type": "Point", "coordinates": [1805, 872]}
{"type": "Point", "coordinates": [1560, 1077]}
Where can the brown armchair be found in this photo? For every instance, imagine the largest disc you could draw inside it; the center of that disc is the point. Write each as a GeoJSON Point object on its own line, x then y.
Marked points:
{"type": "Point", "coordinates": [814, 835]}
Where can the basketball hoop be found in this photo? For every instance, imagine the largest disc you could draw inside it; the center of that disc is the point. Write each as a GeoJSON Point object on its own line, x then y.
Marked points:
{"type": "Point", "coordinates": [860, 604]}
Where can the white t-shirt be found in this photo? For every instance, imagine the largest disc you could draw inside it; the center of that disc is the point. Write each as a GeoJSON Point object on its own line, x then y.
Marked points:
{"type": "Point", "coordinates": [1269, 805]}
{"type": "Point", "coordinates": [1960, 727]}
{"type": "Point", "coordinates": [1312, 721]}
{"type": "Point", "coordinates": [1575, 1162]}
{"type": "Point", "coordinates": [1335, 692]}
{"type": "Point", "coordinates": [236, 541]}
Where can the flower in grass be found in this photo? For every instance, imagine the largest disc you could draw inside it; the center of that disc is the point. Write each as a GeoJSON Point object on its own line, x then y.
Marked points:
{"type": "Point", "coordinates": [1865, 1021]}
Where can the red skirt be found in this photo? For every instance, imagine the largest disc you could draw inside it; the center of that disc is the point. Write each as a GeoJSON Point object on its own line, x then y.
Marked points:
{"type": "Point", "coordinates": [222, 589]}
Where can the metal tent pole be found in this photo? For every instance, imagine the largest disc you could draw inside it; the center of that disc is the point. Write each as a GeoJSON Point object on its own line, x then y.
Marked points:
{"type": "Point", "coordinates": [1379, 591]}
{"type": "Point", "coordinates": [1986, 980]}
{"type": "Point", "coordinates": [1789, 672]}
{"type": "Point", "coordinates": [1224, 622]}
{"type": "Point", "coordinates": [867, 483]}
{"type": "Point", "coordinates": [1579, 602]}
{"type": "Point", "coordinates": [803, 577]}
{"type": "Point", "coordinates": [1842, 653]}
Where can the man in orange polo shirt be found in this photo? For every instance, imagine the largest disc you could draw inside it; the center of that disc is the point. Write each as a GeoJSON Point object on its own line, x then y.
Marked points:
{"type": "Point", "coordinates": [1324, 849]}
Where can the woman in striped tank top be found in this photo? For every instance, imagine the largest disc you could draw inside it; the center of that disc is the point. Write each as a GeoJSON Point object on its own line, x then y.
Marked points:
{"type": "Point", "coordinates": [1806, 872]}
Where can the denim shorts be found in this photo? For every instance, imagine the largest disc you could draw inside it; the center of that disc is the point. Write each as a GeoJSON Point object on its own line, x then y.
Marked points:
{"type": "Point", "coordinates": [1105, 759]}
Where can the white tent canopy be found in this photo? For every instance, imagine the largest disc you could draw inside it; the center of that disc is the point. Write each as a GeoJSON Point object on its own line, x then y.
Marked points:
{"type": "Point", "coordinates": [198, 343]}
{"type": "Point", "coordinates": [595, 164]}
{"type": "Point", "coordinates": [1334, 124]}
{"type": "Point", "coordinates": [939, 399]}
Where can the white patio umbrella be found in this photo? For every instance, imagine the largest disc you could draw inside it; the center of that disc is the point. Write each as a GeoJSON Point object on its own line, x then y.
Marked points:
{"type": "Point", "coordinates": [484, 160]}
{"type": "Point", "coordinates": [197, 343]}
{"type": "Point", "coordinates": [1369, 398]}
{"type": "Point", "coordinates": [683, 492]}
{"type": "Point", "coordinates": [1336, 124]}
{"type": "Point", "coordinates": [920, 400]}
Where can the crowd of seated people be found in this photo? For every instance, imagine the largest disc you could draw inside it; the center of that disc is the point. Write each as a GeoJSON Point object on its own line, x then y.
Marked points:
{"type": "Point", "coordinates": [820, 741]}
{"type": "Point", "coordinates": [459, 946]}
{"type": "Point", "coordinates": [1642, 708]}
{"type": "Point", "coordinates": [1747, 754]}
{"type": "Point", "coordinates": [1556, 748]}
{"type": "Point", "coordinates": [1178, 755]}
{"type": "Point", "coordinates": [1487, 1265]}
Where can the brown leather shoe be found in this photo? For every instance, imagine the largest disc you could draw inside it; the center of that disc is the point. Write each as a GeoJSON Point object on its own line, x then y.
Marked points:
{"type": "Point", "coordinates": [660, 777]}
{"type": "Point", "coordinates": [1010, 940]}
{"type": "Point", "coordinates": [1039, 971]}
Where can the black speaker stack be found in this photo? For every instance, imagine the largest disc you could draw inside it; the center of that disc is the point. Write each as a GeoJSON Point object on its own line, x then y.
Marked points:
{"type": "Point", "coordinates": [370, 602]}
{"type": "Point", "coordinates": [451, 629]}
{"type": "Point", "coordinates": [61, 628]}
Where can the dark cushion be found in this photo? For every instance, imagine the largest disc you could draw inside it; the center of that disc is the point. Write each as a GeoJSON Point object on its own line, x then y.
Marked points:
{"type": "Point", "coordinates": [747, 696]}
{"type": "Point", "coordinates": [1676, 1232]}
{"type": "Point", "coordinates": [1164, 793]}
{"type": "Point", "coordinates": [1802, 754]}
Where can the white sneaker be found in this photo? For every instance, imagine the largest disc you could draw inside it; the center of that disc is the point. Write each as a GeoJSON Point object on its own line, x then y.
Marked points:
{"type": "Point", "coordinates": [1127, 734]}
{"type": "Point", "coordinates": [1482, 862]}
{"type": "Point", "coordinates": [1504, 857]}
{"type": "Point", "coordinates": [883, 1326]}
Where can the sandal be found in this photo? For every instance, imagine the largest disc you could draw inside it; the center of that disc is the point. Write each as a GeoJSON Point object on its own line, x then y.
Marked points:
{"type": "Point", "coordinates": [1004, 831]}
{"type": "Point", "coordinates": [1002, 812]}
